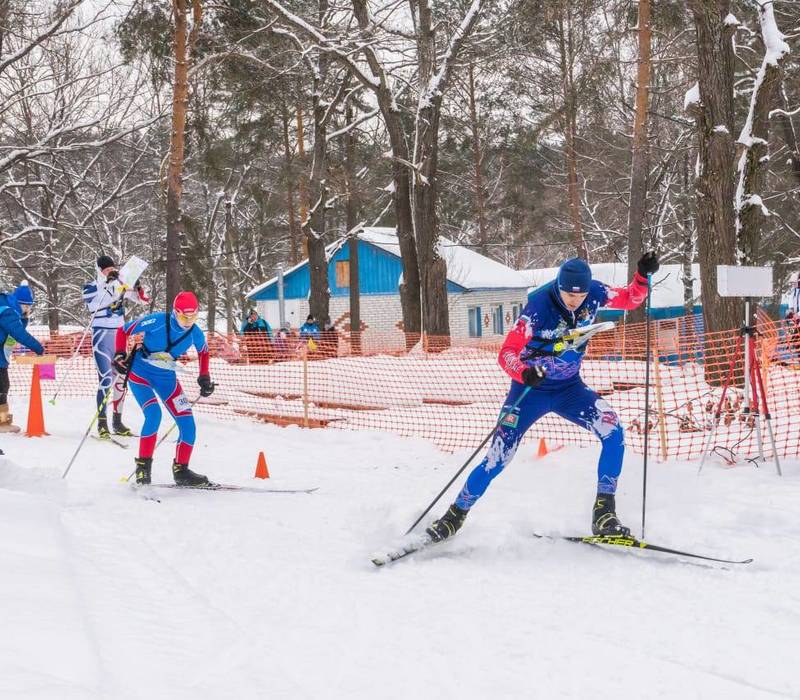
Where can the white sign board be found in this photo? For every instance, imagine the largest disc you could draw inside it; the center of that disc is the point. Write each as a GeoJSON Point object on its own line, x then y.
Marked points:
{"type": "Point", "coordinates": [743, 281]}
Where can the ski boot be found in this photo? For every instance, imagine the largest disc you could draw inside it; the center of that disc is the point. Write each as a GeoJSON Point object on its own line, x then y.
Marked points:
{"type": "Point", "coordinates": [186, 477]}
{"type": "Point", "coordinates": [143, 467]}
{"type": "Point", "coordinates": [102, 428]}
{"type": "Point", "coordinates": [119, 427]}
{"type": "Point", "coordinates": [448, 525]}
{"type": "Point", "coordinates": [7, 420]}
{"type": "Point", "coordinates": [604, 518]}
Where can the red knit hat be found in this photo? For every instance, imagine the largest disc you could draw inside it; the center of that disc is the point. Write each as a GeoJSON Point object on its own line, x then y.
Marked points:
{"type": "Point", "coordinates": [186, 303]}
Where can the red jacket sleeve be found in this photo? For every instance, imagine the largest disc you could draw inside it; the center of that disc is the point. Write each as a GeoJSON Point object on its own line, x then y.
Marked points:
{"type": "Point", "coordinates": [514, 344]}
{"type": "Point", "coordinates": [121, 340]}
{"type": "Point", "coordinates": [202, 357]}
{"type": "Point", "coordinates": [627, 298]}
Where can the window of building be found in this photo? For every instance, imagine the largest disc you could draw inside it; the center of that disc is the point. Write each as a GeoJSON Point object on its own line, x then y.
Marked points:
{"type": "Point", "coordinates": [342, 273]}
{"type": "Point", "coordinates": [497, 320]}
{"type": "Point", "coordinates": [474, 316]}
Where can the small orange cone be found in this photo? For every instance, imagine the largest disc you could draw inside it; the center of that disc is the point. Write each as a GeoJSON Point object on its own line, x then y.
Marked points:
{"type": "Point", "coordinates": [543, 451]}
{"type": "Point", "coordinates": [35, 413]}
{"type": "Point", "coordinates": [261, 467]}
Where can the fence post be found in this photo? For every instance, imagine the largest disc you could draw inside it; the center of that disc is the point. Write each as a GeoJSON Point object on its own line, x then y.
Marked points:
{"type": "Point", "coordinates": [662, 428]}
{"type": "Point", "coordinates": [305, 384]}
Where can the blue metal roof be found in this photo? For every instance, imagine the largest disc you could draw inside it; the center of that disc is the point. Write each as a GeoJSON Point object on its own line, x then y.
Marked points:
{"type": "Point", "coordinates": [378, 273]}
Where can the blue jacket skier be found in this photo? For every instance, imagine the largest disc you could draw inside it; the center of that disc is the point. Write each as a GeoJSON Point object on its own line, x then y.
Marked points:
{"type": "Point", "coordinates": [152, 375]}
{"type": "Point", "coordinates": [545, 378]}
{"type": "Point", "coordinates": [14, 310]}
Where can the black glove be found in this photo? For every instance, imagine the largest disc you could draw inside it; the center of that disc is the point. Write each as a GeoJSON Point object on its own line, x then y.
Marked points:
{"type": "Point", "coordinates": [534, 375]}
{"type": "Point", "coordinates": [206, 385]}
{"type": "Point", "coordinates": [648, 264]}
{"type": "Point", "coordinates": [120, 363]}
{"type": "Point", "coordinates": [113, 275]}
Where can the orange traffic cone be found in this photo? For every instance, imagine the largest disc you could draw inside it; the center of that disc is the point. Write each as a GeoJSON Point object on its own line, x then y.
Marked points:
{"type": "Point", "coordinates": [35, 413]}
{"type": "Point", "coordinates": [261, 467]}
{"type": "Point", "coordinates": [543, 451]}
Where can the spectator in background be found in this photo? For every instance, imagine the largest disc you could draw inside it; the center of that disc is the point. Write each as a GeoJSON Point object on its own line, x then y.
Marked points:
{"type": "Point", "coordinates": [257, 336]}
{"type": "Point", "coordinates": [283, 345]}
{"type": "Point", "coordinates": [310, 330]}
{"type": "Point", "coordinates": [254, 324]}
{"type": "Point", "coordinates": [14, 311]}
{"type": "Point", "coordinates": [329, 340]}
{"type": "Point", "coordinates": [793, 318]}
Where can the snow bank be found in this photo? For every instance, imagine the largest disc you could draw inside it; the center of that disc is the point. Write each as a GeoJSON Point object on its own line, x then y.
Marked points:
{"type": "Point", "coordinates": [212, 595]}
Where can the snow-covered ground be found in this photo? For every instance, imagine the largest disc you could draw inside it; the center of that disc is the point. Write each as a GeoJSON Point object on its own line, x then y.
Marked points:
{"type": "Point", "coordinates": [236, 595]}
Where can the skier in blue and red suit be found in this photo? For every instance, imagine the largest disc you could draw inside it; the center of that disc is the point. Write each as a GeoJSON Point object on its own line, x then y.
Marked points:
{"type": "Point", "coordinates": [151, 373]}
{"type": "Point", "coordinates": [530, 357]}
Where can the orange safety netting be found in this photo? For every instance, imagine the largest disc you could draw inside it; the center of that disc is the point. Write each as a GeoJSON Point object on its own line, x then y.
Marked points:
{"type": "Point", "coordinates": [453, 396]}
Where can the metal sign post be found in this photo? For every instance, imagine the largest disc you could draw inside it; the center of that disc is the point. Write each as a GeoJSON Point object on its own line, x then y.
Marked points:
{"type": "Point", "coordinates": [748, 283]}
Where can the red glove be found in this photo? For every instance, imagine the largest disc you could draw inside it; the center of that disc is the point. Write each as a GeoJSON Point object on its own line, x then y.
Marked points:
{"type": "Point", "coordinates": [140, 291]}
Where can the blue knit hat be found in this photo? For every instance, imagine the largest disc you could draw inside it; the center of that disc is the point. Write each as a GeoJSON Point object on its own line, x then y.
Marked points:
{"type": "Point", "coordinates": [24, 294]}
{"type": "Point", "coordinates": [575, 276]}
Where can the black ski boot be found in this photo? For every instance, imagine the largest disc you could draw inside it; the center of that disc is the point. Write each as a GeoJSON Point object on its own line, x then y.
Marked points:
{"type": "Point", "coordinates": [448, 525]}
{"type": "Point", "coordinates": [604, 518]}
{"type": "Point", "coordinates": [119, 427]}
{"type": "Point", "coordinates": [102, 428]}
{"type": "Point", "coordinates": [143, 467]}
{"type": "Point", "coordinates": [186, 477]}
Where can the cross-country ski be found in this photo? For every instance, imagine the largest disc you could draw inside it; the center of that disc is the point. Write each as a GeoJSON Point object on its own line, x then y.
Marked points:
{"type": "Point", "coordinates": [627, 542]}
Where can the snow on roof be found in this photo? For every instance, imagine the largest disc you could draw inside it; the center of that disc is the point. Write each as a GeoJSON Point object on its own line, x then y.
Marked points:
{"type": "Point", "coordinates": [465, 267]}
{"type": "Point", "coordinates": [667, 282]}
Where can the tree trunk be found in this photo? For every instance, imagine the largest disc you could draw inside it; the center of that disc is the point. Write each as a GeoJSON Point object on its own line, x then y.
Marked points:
{"type": "Point", "coordinates": [52, 281]}
{"type": "Point", "coordinates": [211, 299]}
{"type": "Point", "coordinates": [432, 268]}
{"type": "Point", "coordinates": [570, 131]}
{"type": "Point", "coordinates": [688, 236]}
{"type": "Point", "coordinates": [714, 185]}
{"type": "Point", "coordinates": [410, 295]}
{"type": "Point", "coordinates": [410, 288]}
{"type": "Point", "coordinates": [314, 226]}
{"type": "Point", "coordinates": [351, 213]}
{"type": "Point", "coordinates": [303, 193]}
{"type": "Point", "coordinates": [755, 142]}
{"type": "Point", "coordinates": [5, 7]}
{"type": "Point", "coordinates": [230, 326]}
{"type": "Point", "coordinates": [477, 155]}
{"type": "Point", "coordinates": [639, 154]}
{"type": "Point", "coordinates": [294, 232]}
{"type": "Point", "coordinates": [182, 45]}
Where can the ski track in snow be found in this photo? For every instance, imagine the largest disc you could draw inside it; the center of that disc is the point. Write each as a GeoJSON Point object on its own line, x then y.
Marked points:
{"type": "Point", "coordinates": [106, 595]}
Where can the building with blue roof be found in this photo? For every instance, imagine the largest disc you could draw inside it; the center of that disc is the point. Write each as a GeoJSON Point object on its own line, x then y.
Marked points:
{"type": "Point", "coordinates": [485, 296]}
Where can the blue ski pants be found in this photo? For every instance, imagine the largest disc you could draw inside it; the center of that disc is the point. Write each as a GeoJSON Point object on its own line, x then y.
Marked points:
{"type": "Point", "coordinates": [148, 385]}
{"type": "Point", "coordinates": [575, 402]}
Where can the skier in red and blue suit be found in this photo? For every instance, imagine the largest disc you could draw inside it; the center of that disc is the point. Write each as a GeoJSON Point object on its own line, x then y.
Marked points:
{"type": "Point", "coordinates": [151, 373]}
{"type": "Point", "coordinates": [551, 382]}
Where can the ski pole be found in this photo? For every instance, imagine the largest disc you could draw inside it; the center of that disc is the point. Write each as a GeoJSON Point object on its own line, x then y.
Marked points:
{"type": "Point", "coordinates": [471, 457]}
{"type": "Point", "coordinates": [646, 400]}
{"type": "Point", "coordinates": [162, 438]}
{"type": "Point", "coordinates": [97, 413]}
{"type": "Point", "coordinates": [78, 348]}
{"type": "Point", "coordinates": [88, 430]}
